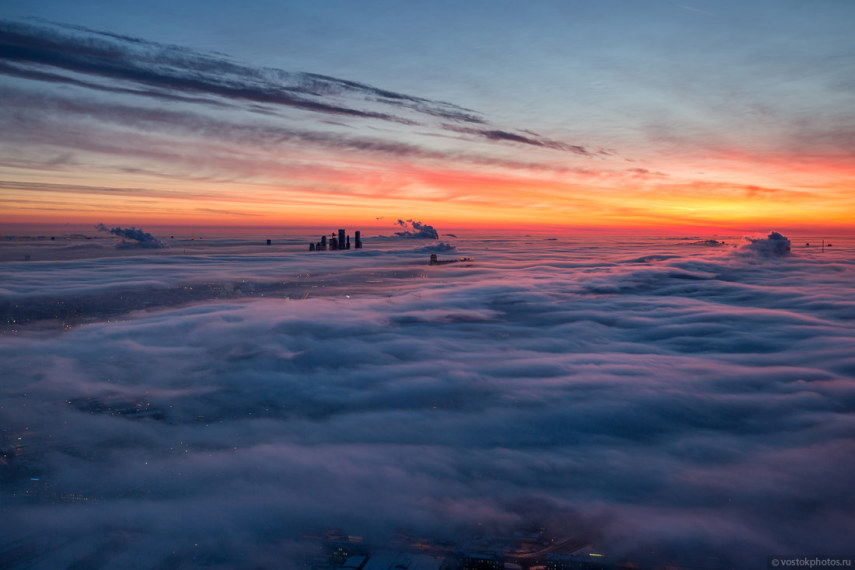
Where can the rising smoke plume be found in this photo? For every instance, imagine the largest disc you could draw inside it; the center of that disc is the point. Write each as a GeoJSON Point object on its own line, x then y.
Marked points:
{"type": "Point", "coordinates": [132, 237]}
{"type": "Point", "coordinates": [419, 230]}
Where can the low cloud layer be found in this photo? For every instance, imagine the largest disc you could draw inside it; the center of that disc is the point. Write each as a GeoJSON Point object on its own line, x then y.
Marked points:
{"type": "Point", "coordinates": [675, 405]}
{"type": "Point", "coordinates": [440, 247]}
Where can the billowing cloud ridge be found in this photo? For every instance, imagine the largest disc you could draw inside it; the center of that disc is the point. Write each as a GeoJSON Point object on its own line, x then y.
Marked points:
{"type": "Point", "coordinates": [682, 406]}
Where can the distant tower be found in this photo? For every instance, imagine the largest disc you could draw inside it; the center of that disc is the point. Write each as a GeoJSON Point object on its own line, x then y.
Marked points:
{"type": "Point", "coordinates": [358, 240]}
{"type": "Point", "coordinates": [348, 243]}
{"type": "Point", "coordinates": [323, 243]}
{"type": "Point", "coordinates": [311, 247]}
{"type": "Point", "coordinates": [341, 239]}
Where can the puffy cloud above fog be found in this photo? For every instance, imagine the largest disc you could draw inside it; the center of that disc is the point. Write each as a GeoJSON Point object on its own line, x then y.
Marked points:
{"type": "Point", "coordinates": [774, 245]}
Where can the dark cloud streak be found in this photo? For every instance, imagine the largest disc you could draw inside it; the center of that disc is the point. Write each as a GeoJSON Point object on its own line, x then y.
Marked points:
{"type": "Point", "coordinates": [534, 140]}
{"type": "Point", "coordinates": [183, 75]}
{"type": "Point", "coordinates": [40, 127]}
{"type": "Point", "coordinates": [171, 69]}
{"type": "Point", "coordinates": [37, 75]}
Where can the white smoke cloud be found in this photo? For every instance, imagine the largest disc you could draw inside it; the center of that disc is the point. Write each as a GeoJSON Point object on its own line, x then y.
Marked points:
{"type": "Point", "coordinates": [418, 231]}
{"type": "Point", "coordinates": [132, 237]}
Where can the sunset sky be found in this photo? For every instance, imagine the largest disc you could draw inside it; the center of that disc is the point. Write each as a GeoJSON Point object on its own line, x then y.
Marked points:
{"type": "Point", "coordinates": [614, 113]}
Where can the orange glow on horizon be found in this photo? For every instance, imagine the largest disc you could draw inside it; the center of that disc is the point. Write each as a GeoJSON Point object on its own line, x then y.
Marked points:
{"type": "Point", "coordinates": [376, 193]}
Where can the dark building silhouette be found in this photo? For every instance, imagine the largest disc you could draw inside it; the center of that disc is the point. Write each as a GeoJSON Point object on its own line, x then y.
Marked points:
{"type": "Point", "coordinates": [337, 241]}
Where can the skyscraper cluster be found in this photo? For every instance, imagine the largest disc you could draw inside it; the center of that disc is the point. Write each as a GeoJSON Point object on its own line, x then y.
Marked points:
{"type": "Point", "coordinates": [337, 241]}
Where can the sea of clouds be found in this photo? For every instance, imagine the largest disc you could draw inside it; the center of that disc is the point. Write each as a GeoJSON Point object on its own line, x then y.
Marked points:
{"type": "Point", "coordinates": [669, 402]}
